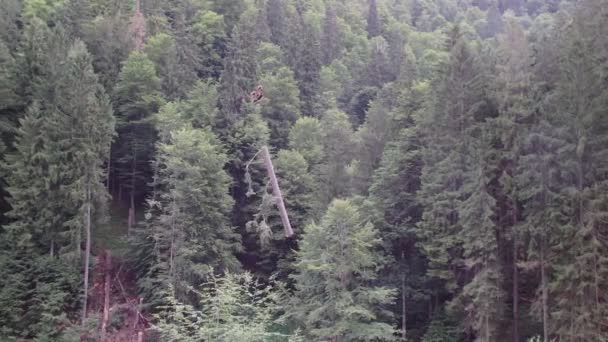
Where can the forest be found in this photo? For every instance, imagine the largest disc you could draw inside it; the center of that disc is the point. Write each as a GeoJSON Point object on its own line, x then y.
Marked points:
{"type": "Point", "coordinates": [442, 164]}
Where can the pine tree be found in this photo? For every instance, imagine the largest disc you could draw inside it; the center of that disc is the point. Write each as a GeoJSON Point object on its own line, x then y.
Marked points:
{"type": "Point", "coordinates": [188, 220]}
{"type": "Point", "coordinates": [239, 76]}
{"type": "Point", "coordinates": [482, 297]}
{"type": "Point", "coordinates": [23, 169]}
{"type": "Point", "coordinates": [331, 44]}
{"type": "Point", "coordinates": [210, 35]}
{"type": "Point", "coordinates": [336, 266]}
{"type": "Point", "coordinates": [397, 209]}
{"type": "Point", "coordinates": [136, 98]}
{"type": "Point", "coordinates": [579, 99]}
{"type": "Point", "coordinates": [303, 55]}
{"type": "Point", "coordinates": [514, 104]}
{"type": "Point", "coordinates": [236, 307]}
{"type": "Point", "coordinates": [87, 114]}
{"type": "Point", "coordinates": [443, 173]}
{"type": "Point", "coordinates": [61, 146]}
{"type": "Point", "coordinates": [338, 147]}
{"type": "Point", "coordinates": [281, 104]}
{"type": "Point", "coordinates": [176, 77]}
{"type": "Point", "coordinates": [373, 22]}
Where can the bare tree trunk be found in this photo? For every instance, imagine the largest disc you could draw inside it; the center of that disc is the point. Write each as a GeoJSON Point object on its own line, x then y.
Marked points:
{"type": "Point", "coordinates": [403, 310]}
{"type": "Point", "coordinates": [515, 276]}
{"type": "Point", "coordinates": [545, 290]}
{"type": "Point", "coordinates": [403, 304]}
{"type": "Point", "coordinates": [131, 219]}
{"type": "Point", "coordinates": [487, 326]}
{"type": "Point", "coordinates": [172, 247]}
{"type": "Point", "coordinates": [276, 192]}
{"type": "Point", "coordinates": [108, 178]}
{"type": "Point", "coordinates": [87, 253]}
{"type": "Point", "coordinates": [52, 251]}
{"type": "Point", "coordinates": [140, 336]}
{"type": "Point", "coordinates": [106, 293]}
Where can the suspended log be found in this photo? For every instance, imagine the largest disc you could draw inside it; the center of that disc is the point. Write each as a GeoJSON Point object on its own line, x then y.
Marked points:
{"type": "Point", "coordinates": [276, 192]}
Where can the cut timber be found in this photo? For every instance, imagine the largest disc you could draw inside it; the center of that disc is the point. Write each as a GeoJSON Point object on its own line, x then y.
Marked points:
{"type": "Point", "coordinates": [276, 192]}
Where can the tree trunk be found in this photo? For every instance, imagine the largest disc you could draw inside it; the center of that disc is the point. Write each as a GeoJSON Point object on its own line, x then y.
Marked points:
{"type": "Point", "coordinates": [403, 304]}
{"type": "Point", "coordinates": [52, 251]}
{"type": "Point", "coordinates": [172, 247]}
{"type": "Point", "coordinates": [131, 219]}
{"type": "Point", "coordinates": [276, 192]}
{"type": "Point", "coordinates": [140, 336]}
{"type": "Point", "coordinates": [545, 290]}
{"type": "Point", "coordinates": [487, 326]}
{"type": "Point", "coordinates": [87, 253]}
{"type": "Point", "coordinates": [515, 276]}
{"type": "Point", "coordinates": [403, 310]}
{"type": "Point", "coordinates": [108, 178]}
{"type": "Point", "coordinates": [106, 295]}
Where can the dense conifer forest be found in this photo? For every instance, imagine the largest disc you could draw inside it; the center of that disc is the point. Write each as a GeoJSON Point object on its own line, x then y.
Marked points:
{"type": "Point", "coordinates": [443, 165]}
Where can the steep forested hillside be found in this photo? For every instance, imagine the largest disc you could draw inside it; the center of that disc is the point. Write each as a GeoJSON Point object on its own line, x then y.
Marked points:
{"type": "Point", "coordinates": [443, 163]}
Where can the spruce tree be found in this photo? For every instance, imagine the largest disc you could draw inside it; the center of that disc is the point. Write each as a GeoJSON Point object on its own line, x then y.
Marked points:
{"type": "Point", "coordinates": [188, 218]}
{"type": "Point", "coordinates": [331, 44]}
{"type": "Point", "coordinates": [336, 268]}
{"type": "Point", "coordinates": [373, 22]}
{"type": "Point", "coordinates": [281, 104]}
{"type": "Point", "coordinates": [444, 129]}
{"type": "Point", "coordinates": [393, 193]}
{"type": "Point", "coordinates": [579, 99]}
{"type": "Point", "coordinates": [136, 98]}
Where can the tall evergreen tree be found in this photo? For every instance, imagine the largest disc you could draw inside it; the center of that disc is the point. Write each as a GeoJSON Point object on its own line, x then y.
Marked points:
{"type": "Point", "coordinates": [281, 104]}
{"type": "Point", "coordinates": [445, 128]}
{"type": "Point", "coordinates": [580, 99]}
{"type": "Point", "coordinates": [373, 21]}
{"type": "Point", "coordinates": [303, 55]}
{"type": "Point", "coordinates": [331, 44]}
{"type": "Point", "coordinates": [336, 265]}
{"type": "Point", "coordinates": [188, 219]}
{"type": "Point", "coordinates": [513, 98]}
{"type": "Point", "coordinates": [136, 98]}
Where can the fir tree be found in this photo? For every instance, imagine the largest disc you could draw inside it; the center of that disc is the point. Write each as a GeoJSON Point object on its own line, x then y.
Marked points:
{"type": "Point", "coordinates": [336, 265]}
{"type": "Point", "coordinates": [189, 217]}
{"type": "Point", "coordinates": [330, 38]}
{"type": "Point", "coordinates": [137, 97]}
{"type": "Point", "coordinates": [373, 22]}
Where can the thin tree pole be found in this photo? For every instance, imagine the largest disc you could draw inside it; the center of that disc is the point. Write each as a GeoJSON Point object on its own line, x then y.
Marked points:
{"type": "Point", "coordinates": [403, 304]}
{"type": "Point", "coordinates": [543, 257]}
{"type": "Point", "coordinates": [131, 219]}
{"type": "Point", "coordinates": [87, 252]}
{"type": "Point", "coordinates": [108, 175]}
{"type": "Point", "coordinates": [106, 298]}
{"type": "Point", "coordinates": [276, 191]}
{"type": "Point", "coordinates": [545, 290]}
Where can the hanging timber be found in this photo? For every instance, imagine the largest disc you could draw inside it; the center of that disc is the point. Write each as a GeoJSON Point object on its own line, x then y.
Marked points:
{"type": "Point", "coordinates": [276, 192]}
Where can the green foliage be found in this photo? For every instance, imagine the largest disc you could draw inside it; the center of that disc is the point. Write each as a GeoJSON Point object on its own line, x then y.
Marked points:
{"type": "Point", "coordinates": [235, 307]}
{"type": "Point", "coordinates": [188, 216]}
{"type": "Point", "coordinates": [442, 329]}
{"type": "Point", "coordinates": [59, 150]}
{"type": "Point", "coordinates": [281, 105]}
{"type": "Point", "coordinates": [336, 266]}
{"type": "Point", "coordinates": [472, 133]}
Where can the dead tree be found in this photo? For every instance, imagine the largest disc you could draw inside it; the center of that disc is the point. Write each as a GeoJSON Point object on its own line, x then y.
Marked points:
{"type": "Point", "coordinates": [277, 197]}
